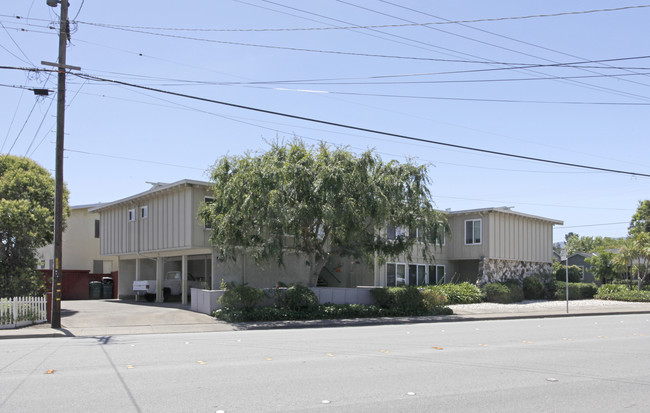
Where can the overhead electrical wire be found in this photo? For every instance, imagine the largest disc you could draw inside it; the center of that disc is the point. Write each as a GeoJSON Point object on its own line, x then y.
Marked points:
{"type": "Point", "coordinates": [341, 125]}
{"type": "Point", "coordinates": [573, 81]}
{"type": "Point", "coordinates": [533, 16]}
{"type": "Point", "coordinates": [362, 129]}
{"type": "Point", "coordinates": [452, 51]}
{"type": "Point", "coordinates": [500, 35]}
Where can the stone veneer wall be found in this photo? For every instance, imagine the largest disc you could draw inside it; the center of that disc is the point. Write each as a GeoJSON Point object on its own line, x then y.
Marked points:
{"type": "Point", "coordinates": [491, 270]}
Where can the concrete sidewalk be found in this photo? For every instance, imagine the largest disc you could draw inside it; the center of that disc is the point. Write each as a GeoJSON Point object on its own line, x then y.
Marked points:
{"type": "Point", "coordinates": [94, 318]}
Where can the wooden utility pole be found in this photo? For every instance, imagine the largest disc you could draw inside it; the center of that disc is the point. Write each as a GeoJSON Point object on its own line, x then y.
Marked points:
{"type": "Point", "coordinates": [57, 275]}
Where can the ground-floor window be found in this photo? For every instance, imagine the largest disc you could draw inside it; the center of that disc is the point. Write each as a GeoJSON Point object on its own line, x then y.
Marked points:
{"type": "Point", "coordinates": [436, 274]}
{"type": "Point", "coordinates": [418, 274]}
{"type": "Point", "coordinates": [395, 274]}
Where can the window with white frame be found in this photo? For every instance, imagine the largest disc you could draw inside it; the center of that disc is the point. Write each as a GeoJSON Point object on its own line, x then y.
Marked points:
{"type": "Point", "coordinates": [417, 274]}
{"type": "Point", "coordinates": [418, 233]}
{"type": "Point", "coordinates": [395, 274]}
{"type": "Point", "coordinates": [473, 231]}
{"type": "Point", "coordinates": [436, 274]}
{"type": "Point", "coordinates": [131, 215]}
{"type": "Point", "coordinates": [144, 212]}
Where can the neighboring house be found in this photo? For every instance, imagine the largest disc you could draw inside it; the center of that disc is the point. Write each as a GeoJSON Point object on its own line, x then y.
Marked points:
{"type": "Point", "coordinates": [80, 244]}
{"type": "Point", "coordinates": [81, 260]}
{"type": "Point", "coordinates": [579, 259]}
{"type": "Point", "coordinates": [158, 231]}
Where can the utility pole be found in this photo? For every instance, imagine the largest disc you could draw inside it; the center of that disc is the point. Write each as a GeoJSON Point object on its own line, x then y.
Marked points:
{"type": "Point", "coordinates": [57, 274]}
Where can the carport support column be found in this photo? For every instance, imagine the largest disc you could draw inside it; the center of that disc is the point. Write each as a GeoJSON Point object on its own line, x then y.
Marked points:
{"type": "Point", "coordinates": [184, 278]}
{"type": "Point", "coordinates": [160, 279]}
{"type": "Point", "coordinates": [137, 274]}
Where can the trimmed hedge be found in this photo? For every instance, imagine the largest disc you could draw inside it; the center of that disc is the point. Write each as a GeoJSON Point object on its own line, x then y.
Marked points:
{"type": "Point", "coordinates": [409, 300]}
{"type": "Point", "coordinates": [577, 291]}
{"type": "Point", "coordinates": [300, 303]}
{"type": "Point", "coordinates": [322, 312]}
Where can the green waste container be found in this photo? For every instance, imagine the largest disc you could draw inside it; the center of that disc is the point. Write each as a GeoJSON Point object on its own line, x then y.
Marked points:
{"type": "Point", "coordinates": [95, 290]}
{"type": "Point", "coordinates": [107, 287]}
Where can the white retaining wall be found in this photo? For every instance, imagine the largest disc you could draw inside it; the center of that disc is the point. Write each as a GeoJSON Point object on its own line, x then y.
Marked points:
{"type": "Point", "coordinates": [206, 301]}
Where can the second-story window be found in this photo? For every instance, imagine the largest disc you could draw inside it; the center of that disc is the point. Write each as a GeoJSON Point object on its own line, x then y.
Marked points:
{"type": "Point", "coordinates": [473, 231]}
{"type": "Point", "coordinates": [144, 212]}
{"type": "Point", "coordinates": [131, 215]}
{"type": "Point", "coordinates": [393, 232]}
{"type": "Point", "coordinates": [208, 200]}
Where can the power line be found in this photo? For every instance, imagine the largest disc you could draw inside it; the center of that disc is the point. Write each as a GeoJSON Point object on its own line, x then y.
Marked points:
{"type": "Point", "coordinates": [501, 36]}
{"type": "Point", "coordinates": [468, 99]}
{"type": "Point", "coordinates": [362, 129]}
{"type": "Point", "coordinates": [19, 48]}
{"type": "Point", "coordinates": [381, 26]}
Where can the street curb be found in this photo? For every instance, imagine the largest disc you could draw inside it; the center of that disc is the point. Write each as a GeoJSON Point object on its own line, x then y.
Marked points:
{"type": "Point", "coordinates": [364, 322]}
{"type": "Point", "coordinates": [357, 322]}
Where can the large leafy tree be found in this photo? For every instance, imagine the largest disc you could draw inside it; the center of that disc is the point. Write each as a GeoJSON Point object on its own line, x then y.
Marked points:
{"type": "Point", "coordinates": [604, 266]}
{"type": "Point", "coordinates": [26, 222]}
{"type": "Point", "coordinates": [635, 253]}
{"type": "Point", "coordinates": [576, 243]}
{"type": "Point", "coordinates": [320, 202]}
{"type": "Point", "coordinates": [640, 221]}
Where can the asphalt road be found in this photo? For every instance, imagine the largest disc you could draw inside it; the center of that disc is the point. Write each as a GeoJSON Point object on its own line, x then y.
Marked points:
{"type": "Point", "coordinates": [596, 364]}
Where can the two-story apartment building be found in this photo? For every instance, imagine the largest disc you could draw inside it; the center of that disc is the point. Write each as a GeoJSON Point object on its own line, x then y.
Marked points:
{"type": "Point", "coordinates": [158, 231]}
{"type": "Point", "coordinates": [485, 245]}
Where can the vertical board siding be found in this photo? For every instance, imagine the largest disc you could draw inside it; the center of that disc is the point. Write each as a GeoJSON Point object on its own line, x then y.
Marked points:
{"type": "Point", "coordinates": [171, 223]}
{"type": "Point", "coordinates": [513, 237]}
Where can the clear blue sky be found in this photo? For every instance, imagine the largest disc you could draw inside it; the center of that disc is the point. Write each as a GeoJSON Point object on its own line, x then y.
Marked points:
{"type": "Point", "coordinates": [436, 82]}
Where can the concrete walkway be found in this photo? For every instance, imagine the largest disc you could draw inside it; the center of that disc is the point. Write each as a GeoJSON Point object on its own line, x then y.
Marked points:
{"type": "Point", "coordinates": [116, 317]}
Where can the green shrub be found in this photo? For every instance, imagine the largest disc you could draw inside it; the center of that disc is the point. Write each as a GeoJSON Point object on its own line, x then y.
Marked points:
{"type": "Point", "coordinates": [533, 288]}
{"type": "Point", "coordinates": [463, 293]}
{"type": "Point", "coordinates": [516, 292]}
{"type": "Point", "coordinates": [621, 293]}
{"type": "Point", "coordinates": [321, 312]}
{"type": "Point", "coordinates": [240, 297]}
{"type": "Point", "coordinates": [612, 288]}
{"type": "Point", "coordinates": [588, 290]}
{"type": "Point", "coordinates": [382, 297]}
{"type": "Point", "coordinates": [550, 288]}
{"type": "Point", "coordinates": [575, 274]}
{"type": "Point", "coordinates": [432, 299]}
{"type": "Point", "coordinates": [575, 292]}
{"type": "Point", "coordinates": [408, 301]}
{"type": "Point", "coordinates": [496, 293]}
{"type": "Point", "coordinates": [297, 297]}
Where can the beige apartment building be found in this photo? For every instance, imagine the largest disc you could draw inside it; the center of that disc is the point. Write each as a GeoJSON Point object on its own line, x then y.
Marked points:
{"type": "Point", "coordinates": [157, 231]}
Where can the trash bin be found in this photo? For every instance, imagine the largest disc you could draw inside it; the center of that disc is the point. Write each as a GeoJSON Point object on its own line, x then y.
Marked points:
{"type": "Point", "coordinates": [107, 287]}
{"type": "Point", "coordinates": [95, 291]}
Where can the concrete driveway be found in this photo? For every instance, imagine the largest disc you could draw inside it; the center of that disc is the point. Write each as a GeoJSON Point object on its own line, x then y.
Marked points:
{"type": "Point", "coordinates": [111, 317]}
